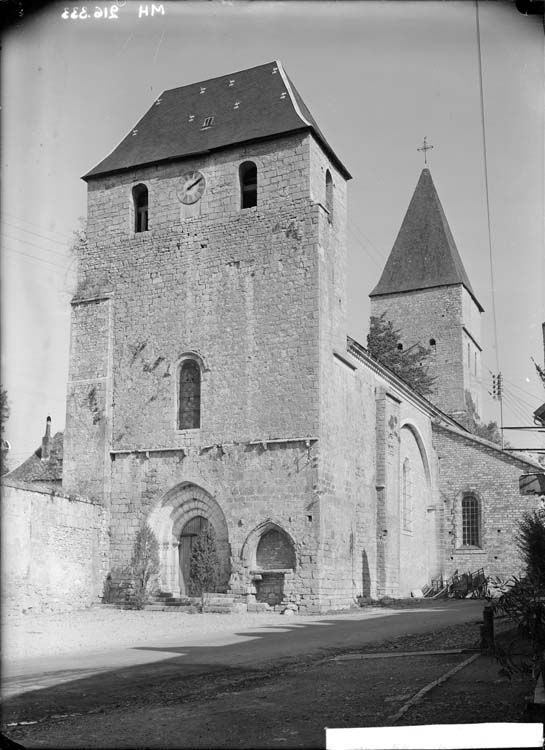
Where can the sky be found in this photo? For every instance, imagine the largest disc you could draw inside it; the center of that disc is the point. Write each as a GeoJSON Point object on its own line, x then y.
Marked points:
{"type": "Point", "coordinates": [377, 77]}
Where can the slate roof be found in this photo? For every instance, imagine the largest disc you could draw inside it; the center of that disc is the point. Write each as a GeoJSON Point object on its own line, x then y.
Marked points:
{"type": "Point", "coordinates": [36, 470]}
{"type": "Point", "coordinates": [249, 105]}
{"type": "Point", "coordinates": [424, 254]}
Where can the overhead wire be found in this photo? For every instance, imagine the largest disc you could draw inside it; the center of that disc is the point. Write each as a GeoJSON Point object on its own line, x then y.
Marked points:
{"type": "Point", "coordinates": [370, 249]}
{"type": "Point", "coordinates": [516, 408]}
{"type": "Point", "coordinates": [34, 244]}
{"type": "Point", "coordinates": [522, 390]}
{"type": "Point", "coordinates": [37, 260]}
{"type": "Point", "coordinates": [33, 224]}
{"type": "Point", "coordinates": [60, 243]}
{"type": "Point", "coordinates": [485, 164]}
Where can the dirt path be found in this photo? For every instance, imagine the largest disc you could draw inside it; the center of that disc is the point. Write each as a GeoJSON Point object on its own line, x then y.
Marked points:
{"type": "Point", "coordinates": [292, 708]}
{"type": "Point", "coordinates": [285, 702]}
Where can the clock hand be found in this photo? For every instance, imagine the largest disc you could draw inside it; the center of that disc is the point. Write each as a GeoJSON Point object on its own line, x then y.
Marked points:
{"type": "Point", "coordinates": [190, 187]}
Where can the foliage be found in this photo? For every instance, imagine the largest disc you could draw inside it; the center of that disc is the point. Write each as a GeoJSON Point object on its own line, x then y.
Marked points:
{"type": "Point", "coordinates": [204, 563]}
{"type": "Point", "coordinates": [79, 241]}
{"type": "Point", "coordinates": [145, 564]}
{"type": "Point", "coordinates": [522, 600]}
{"type": "Point", "coordinates": [4, 416]}
{"type": "Point", "coordinates": [530, 540]}
{"type": "Point", "coordinates": [4, 409]}
{"type": "Point", "coordinates": [473, 423]}
{"type": "Point", "coordinates": [408, 364]}
{"type": "Point", "coordinates": [540, 372]}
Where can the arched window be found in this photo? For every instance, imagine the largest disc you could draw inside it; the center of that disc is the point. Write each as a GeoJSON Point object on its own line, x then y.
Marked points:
{"type": "Point", "coordinates": [329, 194]}
{"type": "Point", "coordinates": [140, 198]}
{"type": "Point", "coordinates": [407, 497]}
{"type": "Point", "coordinates": [433, 342]}
{"type": "Point", "coordinates": [189, 409]}
{"type": "Point", "coordinates": [248, 184]}
{"type": "Point", "coordinates": [471, 522]}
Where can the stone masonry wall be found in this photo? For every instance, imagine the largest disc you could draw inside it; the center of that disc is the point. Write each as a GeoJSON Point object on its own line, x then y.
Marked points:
{"type": "Point", "coordinates": [347, 486]}
{"type": "Point", "coordinates": [433, 314]}
{"type": "Point", "coordinates": [241, 291]}
{"type": "Point", "coordinates": [346, 468]}
{"type": "Point", "coordinates": [387, 490]}
{"type": "Point", "coordinates": [86, 437]}
{"type": "Point", "coordinates": [254, 485]}
{"type": "Point", "coordinates": [54, 550]}
{"type": "Point", "coordinates": [238, 289]}
{"type": "Point", "coordinates": [470, 465]}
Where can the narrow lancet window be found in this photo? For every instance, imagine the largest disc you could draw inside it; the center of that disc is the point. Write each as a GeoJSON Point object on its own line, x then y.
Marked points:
{"type": "Point", "coordinates": [140, 198]}
{"type": "Point", "coordinates": [248, 184]}
{"type": "Point", "coordinates": [329, 194]}
{"type": "Point", "coordinates": [407, 497]}
{"type": "Point", "coordinates": [189, 412]}
{"type": "Point", "coordinates": [471, 522]}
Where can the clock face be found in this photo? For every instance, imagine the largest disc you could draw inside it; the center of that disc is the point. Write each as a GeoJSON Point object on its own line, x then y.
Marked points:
{"type": "Point", "coordinates": [191, 187]}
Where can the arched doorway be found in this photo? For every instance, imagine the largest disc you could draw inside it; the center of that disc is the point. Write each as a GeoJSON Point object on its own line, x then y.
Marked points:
{"type": "Point", "coordinates": [188, 537]}
{"type": "Point", "coordinates": [176, 520]}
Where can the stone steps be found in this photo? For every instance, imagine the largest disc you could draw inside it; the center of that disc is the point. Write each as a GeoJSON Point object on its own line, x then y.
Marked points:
{"type": "Point", "coordinates": [221, 604]}
{"type": "Point", "coordinates": [165, 601]}
{"type": "Point", "coordinates": [188, 608]}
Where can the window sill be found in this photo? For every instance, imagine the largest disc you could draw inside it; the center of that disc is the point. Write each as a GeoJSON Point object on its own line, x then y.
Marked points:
{"type": "Point", "coordinates": [471, 550]}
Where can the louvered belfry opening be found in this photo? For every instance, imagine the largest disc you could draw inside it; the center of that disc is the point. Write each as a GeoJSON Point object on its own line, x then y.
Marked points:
{"type": "Point", "coordinates": [189, 414]}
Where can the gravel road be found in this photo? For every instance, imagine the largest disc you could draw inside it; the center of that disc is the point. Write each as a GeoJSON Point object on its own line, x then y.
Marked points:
{"type": "Point", "coordinates": [47, 634]}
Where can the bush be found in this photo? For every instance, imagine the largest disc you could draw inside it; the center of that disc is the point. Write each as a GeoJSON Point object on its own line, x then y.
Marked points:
{"type": "Point", "coordinates": [530, 540]}
{"type": "Point", "coordinates": [145, 565]}
{"type": "Point", "coordinates": [523, 599]}
{"type": "Point", "coordinates": [204, 563]}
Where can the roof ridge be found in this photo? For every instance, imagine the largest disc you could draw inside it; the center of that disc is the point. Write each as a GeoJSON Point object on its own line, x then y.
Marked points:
{"type": "Point", "coordinates": [217, 78]}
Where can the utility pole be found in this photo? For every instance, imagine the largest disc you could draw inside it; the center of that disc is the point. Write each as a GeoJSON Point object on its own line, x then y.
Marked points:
{"type": "Point", "coordinates": [497, 394]}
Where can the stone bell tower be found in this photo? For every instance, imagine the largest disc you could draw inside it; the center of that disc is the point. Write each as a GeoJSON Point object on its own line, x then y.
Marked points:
{"type": "Point", "coordinates": [426, 293]}
{"type": "Point", "coordinates": [213, 278]}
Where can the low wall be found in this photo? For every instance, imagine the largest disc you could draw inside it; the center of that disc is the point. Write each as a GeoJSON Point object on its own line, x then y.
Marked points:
{"type": "Point", "coordinates": [55, 550]}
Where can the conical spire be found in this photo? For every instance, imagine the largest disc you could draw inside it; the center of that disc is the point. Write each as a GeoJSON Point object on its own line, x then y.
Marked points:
{"type": "Point", "coordinates": [424, 254]}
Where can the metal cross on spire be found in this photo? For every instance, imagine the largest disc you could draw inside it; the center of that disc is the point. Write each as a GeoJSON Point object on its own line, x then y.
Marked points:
{"type": "Point", "coordinates": [425, 148]}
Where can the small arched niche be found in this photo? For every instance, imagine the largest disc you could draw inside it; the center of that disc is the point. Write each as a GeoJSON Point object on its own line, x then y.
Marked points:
{"type": "Point", "coordinates": [275, 551]}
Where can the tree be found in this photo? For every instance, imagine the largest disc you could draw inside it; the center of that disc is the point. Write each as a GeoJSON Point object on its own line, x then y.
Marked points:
{"type": "Point", "coordinates": [540, 372]}
{"type": "Point", "coordinates": [204, 563]}
{"type": "Point", "coordinates": [472, 422]}
{"type": "Point", "coordinates": [530, 540]}
{"type": "Point", "coordinates": [145, 564]}
{"type": "Point", "coordinates": [523, 600]}
{"type": "Point", "coordinates": [408, 364]}
{"type": "Point", "coordinates": [4, 416]}
{"type": "Point", "coordinates": [79, 242]}
{"type": "Point", "coordinates": [4, 409]}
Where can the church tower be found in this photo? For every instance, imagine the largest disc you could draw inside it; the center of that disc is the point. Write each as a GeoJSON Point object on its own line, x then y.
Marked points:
{"type": "Point", "coordinates": [425, 292]}
{"type": "Point", "coordinates": [210, 291]}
